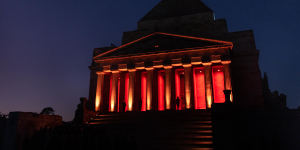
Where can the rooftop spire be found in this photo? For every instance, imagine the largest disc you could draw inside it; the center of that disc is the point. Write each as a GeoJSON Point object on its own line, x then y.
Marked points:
{"type": "Point", "coordinates": [174, 8]}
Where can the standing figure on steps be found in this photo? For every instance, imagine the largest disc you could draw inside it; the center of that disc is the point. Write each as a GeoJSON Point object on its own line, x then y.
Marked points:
{"type": "Point", "coordinates": [140, 105]}
{"type": "Point", "coordinates": [177, 103]}
{"type": "Point", "coordinates": [124, 106]}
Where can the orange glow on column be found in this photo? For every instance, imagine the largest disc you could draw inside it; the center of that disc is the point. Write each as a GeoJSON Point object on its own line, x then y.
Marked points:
{"type": "Point", "coordinates": [149, 88]}
{"type": "Point", "coordinates": [218, 84]}
{"type": "Point", "coordinates": [187, 84]}
{"type": "Point", "coordinates": [168, 88]}
{"type": "Point", "coordinates": [113, 92]}
{"type": "Point", "coordinates": [110, 94]}
{"type": "Point", "coordinates": [199, 88]}
{"type": "Point", "coordinates": [143, 90]}
{"type": "Point", "coordinates": [131, 90]}
{"type": "Point", "coordinates": [98, 98]}
{"type": "Point", "coordinates": [118, 102]}
{"type": "Point", "coordinates": [161, 91]}
{"type": "Point", "coordinates": [208, 86]}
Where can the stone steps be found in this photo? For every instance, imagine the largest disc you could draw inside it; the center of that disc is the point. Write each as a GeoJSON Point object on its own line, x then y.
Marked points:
{"type": "Point", "coordinates": [163, 130]}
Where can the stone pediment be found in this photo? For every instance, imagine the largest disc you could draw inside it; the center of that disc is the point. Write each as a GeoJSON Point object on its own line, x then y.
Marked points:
{"type": "Point", "coordinates": [161, 43]}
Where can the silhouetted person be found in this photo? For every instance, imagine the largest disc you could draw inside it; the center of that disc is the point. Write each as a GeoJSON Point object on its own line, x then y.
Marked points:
{"type": "Point", "coordinates": [227, 96]}
{"type": "Point", "coordinates": [177, 102]}
{"type": "Point", "coordinates": [124, 106]}
{"type": "Point", "coordinates": [140, 105]}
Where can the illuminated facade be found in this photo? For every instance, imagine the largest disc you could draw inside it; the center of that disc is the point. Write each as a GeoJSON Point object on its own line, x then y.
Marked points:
{"type": "Point", "coordinates": [179, 58]}
{"type": "Point", "coordinates": [155, 78]}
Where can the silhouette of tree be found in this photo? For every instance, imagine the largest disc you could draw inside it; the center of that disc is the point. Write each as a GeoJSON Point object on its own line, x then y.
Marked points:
{"type": "Point", "coordinates": [78, 114]}
{"type": "Point", "coordinates": [47, 111]}
{"type": "Point", "coordinates": [3, 116]}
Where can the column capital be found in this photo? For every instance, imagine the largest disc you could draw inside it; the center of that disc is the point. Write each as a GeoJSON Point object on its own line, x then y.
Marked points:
{"type": "Point", "coordinates": [187, 65]}
{"type": "Point", "coordinates": [196, 60]}
{"type": "Point", "coordinates": [168, 67]}
{"type": "Point", "coordinates": [158, 64]}
{"type": "Point", "coordinates": [100, 73]}
{"type": "Point", "coordinates": [149, 69]}
{"type": "Point", "coordinates": [107, 68]}
{"type": "Point", "coordinates": [131, 70]}
{"type": "Point", "coordinates": [226, 62]}
{"type": "Point", "coordinates": [176, 62]}
{"type": "Point", "coordinates": [115, 71]}
{"type": "Point", "coordinates": [122, 67]}
{"type": "Point", "coordinates": [140, 65]}
{"type": "Point", "coordinates": [207, 64]}
{"type": "Point", "coordinates": [216, 59]}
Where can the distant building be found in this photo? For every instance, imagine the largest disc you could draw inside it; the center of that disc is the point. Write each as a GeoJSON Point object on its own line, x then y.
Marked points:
{"type": "Point", "coordinates": [20, 126]}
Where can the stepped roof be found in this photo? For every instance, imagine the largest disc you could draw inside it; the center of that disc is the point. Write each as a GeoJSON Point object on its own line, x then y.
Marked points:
{"type": "Point", "coordinates": [174, 8]}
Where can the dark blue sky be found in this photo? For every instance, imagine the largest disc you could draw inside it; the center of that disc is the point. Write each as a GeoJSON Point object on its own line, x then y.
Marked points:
{"type": "Point", "coordinates": [46, 45]}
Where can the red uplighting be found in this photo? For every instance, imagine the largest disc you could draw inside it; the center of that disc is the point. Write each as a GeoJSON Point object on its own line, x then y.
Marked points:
{"type": "Point", "coordinates": [218, 84]}
{"type": "Point", "coordinates": [199, 88]}
{"type": "Point", "coordinates": [118, 102]}
{"type": "Point", "coordinates": [161, 91]}
{"type": "Point", "coordinates": [144, 90]}
{"type": "Point", "coordinates": [126, 90]}
{"type": "Point", "coordinates": [110, 90]}
{"type": "Point", "coordinates": [179, 86]}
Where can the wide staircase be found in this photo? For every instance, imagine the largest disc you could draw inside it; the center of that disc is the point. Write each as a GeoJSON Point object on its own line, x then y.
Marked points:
{"type": "Point", "coordinates": [176, 130]}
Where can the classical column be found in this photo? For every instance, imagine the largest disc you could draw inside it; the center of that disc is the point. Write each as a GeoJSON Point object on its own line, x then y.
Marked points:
{"type": "Point", "coordinates": [131, 89]}
{"type": "Point", "coordinates": [98, 98]}
{"type": "Point", "coordinates": [227, 77]}
{"type": "Point", "coordinates": [149, 87]}
{"type": "Point", "coordinates": [208, 84]}
{"type": "Point", "coordinates": [188, 85]}
{"type": "Point", "coordinates": [114, 94]}
{"type": "Point", "coordinates": [168, 88]}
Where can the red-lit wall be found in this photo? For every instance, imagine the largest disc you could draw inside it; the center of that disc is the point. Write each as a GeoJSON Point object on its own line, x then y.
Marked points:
{"type": "Point", "coordinates": [199, 88]}
{"type": "Point", "coordinates": [161, 91]}
{"type": "Point", "coordinates": [126, 89]}
{"type": "Point", "coordinates": [179, 87]}
{"type": "Point", "coordinates": [119, 87]}
{"type": "Point", "coordinates": [218, 84]}
{"type": "Point", "coordinates": [110, 88]}
{"type": "Point", "coordinates": [144, 90]}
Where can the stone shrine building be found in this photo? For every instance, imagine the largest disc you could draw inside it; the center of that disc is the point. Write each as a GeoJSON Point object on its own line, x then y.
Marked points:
{"type": "Point", "coordinates": [181, 81]}
{"type": "Point", "coordinates": [179, 58]}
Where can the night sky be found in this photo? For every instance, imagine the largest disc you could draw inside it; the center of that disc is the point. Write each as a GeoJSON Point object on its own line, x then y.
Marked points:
{"type": "Point", "coordinates": [46, 45]}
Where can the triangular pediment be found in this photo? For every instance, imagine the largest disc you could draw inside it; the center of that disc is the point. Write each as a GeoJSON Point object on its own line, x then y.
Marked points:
{"type": "Point", "coordinates": [161, 42]}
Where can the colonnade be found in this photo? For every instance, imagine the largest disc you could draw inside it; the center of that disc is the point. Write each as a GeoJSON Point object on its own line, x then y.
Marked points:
{"type": "Point", "coordinates": [159, 88]}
